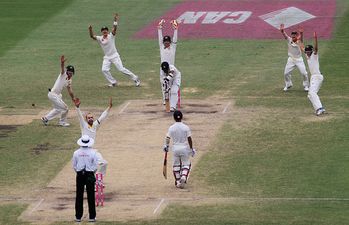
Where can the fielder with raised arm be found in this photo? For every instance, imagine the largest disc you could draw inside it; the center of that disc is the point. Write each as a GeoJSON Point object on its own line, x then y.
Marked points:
{"type": "Point", "coordinates": [316, 76]}
{"type": "Point", "coordinates": [182, 149]}
{"type": "Point", "coordinates": [111, 55]}
{"type": "Point", "coordinates": [294, 58]}
{"type": "Point", "coordinates": [89, 127]}
{"type": "Point", "coordinates": [55, 95]}
{"type": "Point", "coordinates": [167, 50]}
{"type": "Point", "coordinates": [172, 83]}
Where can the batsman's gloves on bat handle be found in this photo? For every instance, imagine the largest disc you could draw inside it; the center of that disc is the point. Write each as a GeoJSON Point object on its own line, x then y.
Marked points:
{"type": "Point", "coordinates": [193, 152]}
{"type": "Point", "coordinates": [165, 148]}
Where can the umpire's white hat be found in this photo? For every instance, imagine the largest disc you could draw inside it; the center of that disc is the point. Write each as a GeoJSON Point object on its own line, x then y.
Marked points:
{"type": "Point", "coordinates": [85, 141]}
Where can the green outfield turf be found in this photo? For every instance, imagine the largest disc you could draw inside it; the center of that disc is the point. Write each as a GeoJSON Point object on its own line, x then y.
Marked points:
{"type": "Point", "coordinates": [272, 147]}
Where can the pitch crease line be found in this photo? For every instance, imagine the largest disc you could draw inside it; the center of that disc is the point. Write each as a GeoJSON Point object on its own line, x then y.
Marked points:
{"type": "Point", "coordinates": [123, 108]}
{"type": "Point", "coordinates": [37, 206]}
{"type": "Point", "coordinates": [158, 206]}
{"type": "Point", "coordinates": [226, 108]}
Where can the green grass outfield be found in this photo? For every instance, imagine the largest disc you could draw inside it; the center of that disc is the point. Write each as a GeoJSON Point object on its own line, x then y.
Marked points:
{"type": "Point", "coordinates": [273, 155]}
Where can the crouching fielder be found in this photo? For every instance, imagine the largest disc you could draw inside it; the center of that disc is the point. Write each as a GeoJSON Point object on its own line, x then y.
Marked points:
{"type": "Point", "coordinates": [316, 76]}
{"type": "Point", "coordinates": [182, 149]}
{"type": "Point", "coordinates": [172, 83]}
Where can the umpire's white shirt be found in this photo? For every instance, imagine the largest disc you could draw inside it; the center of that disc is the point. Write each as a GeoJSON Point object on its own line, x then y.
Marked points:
{"type": "Point", "coordinates": [294, 50]}
{"type": "Point", "coordinates": [179, 133]}
{"type": "Point", "coordinates": [61, 82]}
{"type": "Point", "coordinates": [313, 63]}
{"type": "Point", "coordinates": [108, 46]}
{"type": "Point", "coordinates": [85, 159]}
{"type": "Point", "coordinates": [88, 130]}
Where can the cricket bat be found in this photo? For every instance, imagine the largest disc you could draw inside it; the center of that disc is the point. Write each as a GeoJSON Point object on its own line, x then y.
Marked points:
{"type": "Point", "coordinates": [164, 168]}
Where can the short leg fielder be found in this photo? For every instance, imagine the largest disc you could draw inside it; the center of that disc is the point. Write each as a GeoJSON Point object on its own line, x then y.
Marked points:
{"type": "Point", "coordinates": [290, 66]}
{"type": "Point", "coordinates": [59, 107]}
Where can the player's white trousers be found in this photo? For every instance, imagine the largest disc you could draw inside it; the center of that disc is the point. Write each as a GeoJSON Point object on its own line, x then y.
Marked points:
{"type": "Point", "coordinates": [291, 64]}
{"type": "Point", "coordinates": [59, 107]}
{"type": "Point", "coordinates": [174, 96]}
{"type": "Point", "coordinates": [118, 64]}
{"type": "Point", "coordinates": [181, 155]}
{"type": "Point", "coordinates": [181, 162]}
{"type": "Point", "coordinates": [162, 75]}
{"type": "Point", "coordinates": [315, 85]}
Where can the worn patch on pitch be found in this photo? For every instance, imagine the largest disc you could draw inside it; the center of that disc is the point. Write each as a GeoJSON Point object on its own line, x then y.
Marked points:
{"type": "Point", "coordinates": [250, 19]}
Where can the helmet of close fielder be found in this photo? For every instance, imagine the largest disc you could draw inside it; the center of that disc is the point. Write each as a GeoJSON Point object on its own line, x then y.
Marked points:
{"type": "Point", "coordinates": [308, 48]}
{"type": "Point", "coordinates": [166, 38]}
{"type": "Point", "coordinates": [70, 68]}
{"type": "Point", "coordinates": [104, 28]}
{"type": "Point", "coordinates": [165, 66]}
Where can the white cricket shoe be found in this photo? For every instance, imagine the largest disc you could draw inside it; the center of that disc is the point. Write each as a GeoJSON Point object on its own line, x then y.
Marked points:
{"type": "Point", "coordinates": [181, 183]}
{"type": "Point", "coordinates": [63, 124]}
{"type": "Point", "coordinates": [306, 88]}
{"type": "Point", "coordinates": [138, 83]}
{"type": "Point", "coordinates": [112, 85]}
{"type": "Point", "coordinates": [287, 87]}
{"type": "Point", "coordinates": [320, 111]}
{"type": "Point", "coordinates": [44, 120]}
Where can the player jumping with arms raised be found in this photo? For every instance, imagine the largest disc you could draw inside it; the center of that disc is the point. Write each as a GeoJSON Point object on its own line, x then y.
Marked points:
{"type": "Point", "coordinates": [55, 95]}
{"type": "Point", "coordinates": [111, 55]}
{"type": "Point", "coordinates": [167, 50]}
{"type": "Point", "coordinates": [294, 58]}
{"type": "Point", "coordinates": [316, 76]}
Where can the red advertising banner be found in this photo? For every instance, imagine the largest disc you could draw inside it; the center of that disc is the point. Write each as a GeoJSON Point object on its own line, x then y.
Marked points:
{"type": "Point", "coordinates": [248, 19]}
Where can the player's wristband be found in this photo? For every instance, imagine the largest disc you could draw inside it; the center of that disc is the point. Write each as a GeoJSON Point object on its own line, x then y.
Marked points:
{"type": "Point", "coordinates": [115, 23]}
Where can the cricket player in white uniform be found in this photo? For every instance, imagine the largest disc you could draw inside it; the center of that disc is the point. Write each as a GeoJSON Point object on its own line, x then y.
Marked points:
{"type": "Point", "coordinates": [172, 83]}
{"type": "Point", "coordinates": [294, 58]}
{"type": "Point", "coordinates": [182, 149]}
{"type": "Point", "coordinates": [167, 50]}
{"type": "Point", "coordinates": [111, 55]}
{"type": "Point", "coordinates": [89, 127]}
{"type": "Point", "coordinates": [316, 76]}
{"type": "Point", "coordinates": [55, 95]}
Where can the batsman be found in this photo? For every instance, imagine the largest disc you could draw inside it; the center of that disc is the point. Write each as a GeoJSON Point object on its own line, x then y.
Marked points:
{"type": "Point", "coordinates": [182, 149]}
{"type": "Point", "coordinates": [172, 83]}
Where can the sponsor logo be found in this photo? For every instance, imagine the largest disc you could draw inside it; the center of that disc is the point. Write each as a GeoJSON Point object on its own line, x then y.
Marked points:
{"type": "Point", "coordinates": [249, 19]}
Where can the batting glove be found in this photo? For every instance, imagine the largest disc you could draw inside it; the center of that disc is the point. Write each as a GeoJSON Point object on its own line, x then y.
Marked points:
{"type": "Point", "coordinates": [165, 148]}
{"type": "Point", "coordinates": [193, 152]}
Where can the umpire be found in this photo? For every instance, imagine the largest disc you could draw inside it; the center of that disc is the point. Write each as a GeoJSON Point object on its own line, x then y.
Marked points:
{"type": "Point", "coordinates": [85, 164]}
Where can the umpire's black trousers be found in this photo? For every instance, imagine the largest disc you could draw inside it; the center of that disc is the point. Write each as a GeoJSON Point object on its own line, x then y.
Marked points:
{"type": "Point", "coordinates": [85, 178]}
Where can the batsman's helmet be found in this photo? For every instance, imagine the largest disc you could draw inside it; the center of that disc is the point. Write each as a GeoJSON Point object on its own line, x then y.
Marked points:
{"type": "Point", "coordinates": [104, 28]}
{"type": "Point", "coordinates": [177, 115]}
{"type": "Point", "coordinates": [308, 48]}
{"type": "Point", "coordinates": [166, 38]}
{"type": "Point", "coordinates": [165, 67]}
{"type": "Point", "coordinates": [70, 68]}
